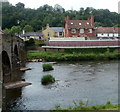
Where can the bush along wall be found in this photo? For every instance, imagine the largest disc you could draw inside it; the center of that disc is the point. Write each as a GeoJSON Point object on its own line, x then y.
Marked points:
{"type": "Point", "coordinates": [89, 50]}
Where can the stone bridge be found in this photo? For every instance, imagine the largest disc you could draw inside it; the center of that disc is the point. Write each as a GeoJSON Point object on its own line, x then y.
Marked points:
{"type": "Point", "coordinates": [12, 58]}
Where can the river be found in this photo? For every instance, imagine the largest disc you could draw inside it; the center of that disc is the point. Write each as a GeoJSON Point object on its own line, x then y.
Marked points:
{"type": "Point", "coordinates": [96, 82]}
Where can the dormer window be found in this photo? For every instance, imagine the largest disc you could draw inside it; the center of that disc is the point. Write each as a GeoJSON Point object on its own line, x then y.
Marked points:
{"type": "Point", "coordinates": [87, 23]}
{"type": "Point", "coordinates": [73, 30]}
{"type": "Point", "coordinates": [80, 24]}
{"type": "Point", "coordinates": [71, 23]}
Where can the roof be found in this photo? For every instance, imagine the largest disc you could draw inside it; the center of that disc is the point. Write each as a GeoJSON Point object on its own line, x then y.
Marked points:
{"type": "Point", "coordinates": [79, 24]}
{"type": "Point", "coordinates": [57, 29]}
{"type": "Point", "coordinates": [108, 29]}
{"type": "Point", "coordinates": [32, 34]}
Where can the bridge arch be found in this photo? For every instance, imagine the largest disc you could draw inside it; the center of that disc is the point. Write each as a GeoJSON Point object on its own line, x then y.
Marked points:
{"type": "Point", "coordinates": [6, 67]}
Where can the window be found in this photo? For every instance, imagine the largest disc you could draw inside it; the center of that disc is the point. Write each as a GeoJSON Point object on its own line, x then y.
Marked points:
{"type": "Point", "coordinates": [60, 33]}
{"type": "Point", "coordinates": [81, 30]}
{"type": "Point", "coordinates": [71, 23]}
{"type": "Point", "coordinates": [73, 30]}
{"type": "Point", "coordinates": [90, 31]}
{"type": "Point", "coordinates": [48, 34]}
{"type": "Point", "coordinates": [56, 34]}
{"type": "Point", "coordinates": [80, 24]}
{"type": "Point", "coordinates": [87, 23]}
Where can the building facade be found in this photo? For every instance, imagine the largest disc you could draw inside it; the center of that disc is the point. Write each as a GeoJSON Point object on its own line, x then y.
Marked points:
{"type": "Point", "coordinates": [108, 32]}
{"type": "Point", "coordinates": [80, 28]}
{"type": "Point", "coordinates": [53, 32]}
{"type": "Point", "coordinates": [35, 35]}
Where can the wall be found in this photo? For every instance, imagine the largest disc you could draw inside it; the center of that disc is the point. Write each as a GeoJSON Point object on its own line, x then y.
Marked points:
{"type": "Point", "coordinates": [45, 33]}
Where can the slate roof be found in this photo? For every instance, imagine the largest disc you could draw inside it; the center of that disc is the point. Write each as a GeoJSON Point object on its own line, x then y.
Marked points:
{"type": "Point", "coordinates": [57, 29]}
{"type": "Point", "coordinates": [108, 29]}
{"type": "Point", "coordinates": [32, 34]}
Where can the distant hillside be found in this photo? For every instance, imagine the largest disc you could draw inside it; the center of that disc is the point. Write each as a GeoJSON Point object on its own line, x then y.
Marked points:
{"type": "Point", "coordinates": [38, 18]}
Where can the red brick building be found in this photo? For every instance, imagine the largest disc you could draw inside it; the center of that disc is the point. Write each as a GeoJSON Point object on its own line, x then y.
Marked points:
{"type": "Point", "coordinates": [80, 28]}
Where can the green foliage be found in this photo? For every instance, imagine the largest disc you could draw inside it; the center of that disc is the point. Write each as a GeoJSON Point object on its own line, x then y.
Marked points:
{"type": "Point", "coordinates": [83, 107]}
{"type": "Point", "coordinates": [108, 102]}
{"type": "Point", "coordinates": [38, 18]}
{"type": "Point", "coordinates": [47, 79]}
{"type": "Point", "coordinates": [7, 31]}
{"type": "Point", "coordinates": [57, 106]}
{"type": "Point", "coordinates": [30, 42]}
{"type": "Point", "coordinates": [57, 56]}
{"type": "Point", "coordinates": [28, 28]}
{"type": "Point", "coordinates": [39, 42]}
{"type": "Point", "coordinates": [89, 50]}
{"type": "Point", "coordinates": [20, 5]}
{"type": "Point", "coordinates": [47, 67]}
{"type": "Point", "coordinates": [14, 30]}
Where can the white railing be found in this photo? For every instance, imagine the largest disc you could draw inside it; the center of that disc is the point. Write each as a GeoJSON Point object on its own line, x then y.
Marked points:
{"type": "Point", "coordinates": [67, 38]}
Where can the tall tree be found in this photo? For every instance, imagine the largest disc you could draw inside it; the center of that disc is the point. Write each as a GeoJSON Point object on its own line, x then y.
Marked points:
{"type": "Point", "coordinates": [28, 28]}
{"type": "Point", "coordinates": [20, 5]}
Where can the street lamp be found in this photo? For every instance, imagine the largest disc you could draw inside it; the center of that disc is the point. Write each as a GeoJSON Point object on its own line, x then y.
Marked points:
{"type": "Point", "coordinates": [18, 22]}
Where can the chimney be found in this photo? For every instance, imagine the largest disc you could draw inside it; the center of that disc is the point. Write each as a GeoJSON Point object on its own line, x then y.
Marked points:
{"type": "Point", "coordinates": [92, 20]}
{"type": "Point", "coordinates": [23, 31]}
{"type": "Point", "coordinates": [47, 26]}
{"type": "Point", "coordinates": [67, 18]}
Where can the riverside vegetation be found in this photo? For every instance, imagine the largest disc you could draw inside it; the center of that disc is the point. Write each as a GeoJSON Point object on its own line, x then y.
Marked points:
{"type": "Point", "coordinates": [85, 54]}
{"type": "Point", "coordinates": [85, 106]}
{"type": "Point", "coordinates": [47, 67]}
{"type": "Point", "coordinates": [47, 79]}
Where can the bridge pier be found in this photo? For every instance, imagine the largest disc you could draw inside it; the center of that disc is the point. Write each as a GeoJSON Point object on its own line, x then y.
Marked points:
{"type": "Point", "coordinates": [12, 58]}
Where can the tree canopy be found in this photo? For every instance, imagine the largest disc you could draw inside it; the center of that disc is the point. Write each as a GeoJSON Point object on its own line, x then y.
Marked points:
{"type": "Point", "coordinates": [54, 16]}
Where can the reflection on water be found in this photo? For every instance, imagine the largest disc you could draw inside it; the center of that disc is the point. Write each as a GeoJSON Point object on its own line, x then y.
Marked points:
{"type": "Point", "coordinates": [93, 81]}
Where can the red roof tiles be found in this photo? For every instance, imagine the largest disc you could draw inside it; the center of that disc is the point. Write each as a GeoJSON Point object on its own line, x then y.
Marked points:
{"type": "Point", "coordinates": [80, 23]}
{"type": "Point", "coordinates": [108, 29]}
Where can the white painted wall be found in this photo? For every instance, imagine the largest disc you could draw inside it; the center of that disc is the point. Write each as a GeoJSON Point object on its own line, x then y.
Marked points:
{"type": "Point", "coordinates": [106, 35]}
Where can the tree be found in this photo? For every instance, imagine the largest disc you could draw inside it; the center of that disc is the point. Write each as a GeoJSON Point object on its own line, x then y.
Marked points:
{"type": "Point", "coordinates": [7, 31]}
{"type": "Point", "coordinates": [28, 28]}
{"type": "Point", "coordinates": [59, 8]}
{"type": "Point", "coordinates": [15, 30]}
{"type": "Point", "coordinates": [20, 5]}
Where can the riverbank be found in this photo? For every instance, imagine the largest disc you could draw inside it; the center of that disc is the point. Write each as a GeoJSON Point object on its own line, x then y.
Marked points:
{"type": "Point", "coordinates": [83, 107]}
{"type": "Point", "coordinates": [74, 56]}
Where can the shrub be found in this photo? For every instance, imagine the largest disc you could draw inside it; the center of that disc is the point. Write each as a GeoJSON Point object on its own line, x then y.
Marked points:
{"type": "Point", "coordinates": [47, 67]}
{"type": "Point", "coordinates": [108, 102]}
{"type": "Point", "coordinates": [47, 79]}
{"type": "Point", "coordinates": [30, 42]}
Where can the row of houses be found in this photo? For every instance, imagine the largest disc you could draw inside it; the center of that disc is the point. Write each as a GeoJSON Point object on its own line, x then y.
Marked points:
{"type": "Point", "coordinates": [82, 29]}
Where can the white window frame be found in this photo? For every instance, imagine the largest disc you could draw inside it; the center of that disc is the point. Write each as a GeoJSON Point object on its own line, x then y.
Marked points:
{"type": "Point", "coordinates": [82, 31]}
{"type": "Point", "coordinates": [90, 30]}
{"type": "Point", "coordinates": [73, 30]}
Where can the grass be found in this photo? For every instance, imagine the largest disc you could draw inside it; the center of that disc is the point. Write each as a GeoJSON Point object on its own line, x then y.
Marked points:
{"type": "Point", "coordinates": [59, 56]}
{"type": "Point", "coordinates": [47, 79]}
{"type": "Point", "coordinates": [83, 107]}
{"type": "Point", "coordinates": [47, 67]}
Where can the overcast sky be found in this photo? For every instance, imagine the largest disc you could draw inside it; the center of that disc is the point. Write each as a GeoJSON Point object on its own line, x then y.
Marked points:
{"type": "Point", "coordinates": [112, 5]}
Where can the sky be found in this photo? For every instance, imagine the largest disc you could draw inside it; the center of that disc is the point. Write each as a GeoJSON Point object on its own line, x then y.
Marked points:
{"type": "Point", "coordinates": [112, 5]}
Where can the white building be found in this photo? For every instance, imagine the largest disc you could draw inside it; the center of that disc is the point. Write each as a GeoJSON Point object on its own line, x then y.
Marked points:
{"type": "Point", "coordinates": [108, 32]}
{"type": "Point", "coordinates": [35, 35]}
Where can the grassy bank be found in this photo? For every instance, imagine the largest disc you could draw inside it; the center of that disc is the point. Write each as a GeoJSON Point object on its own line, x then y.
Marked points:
{"type": "Point", "coordinates": [84, 107]}
{"type": "Point", "coordinates": [74, 56]}
{"type": "Point", "coordinates": [100, 108]}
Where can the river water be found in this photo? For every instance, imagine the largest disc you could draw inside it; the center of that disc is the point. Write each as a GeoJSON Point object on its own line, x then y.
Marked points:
{"type": "Point", "coordinates": [96, 82]}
